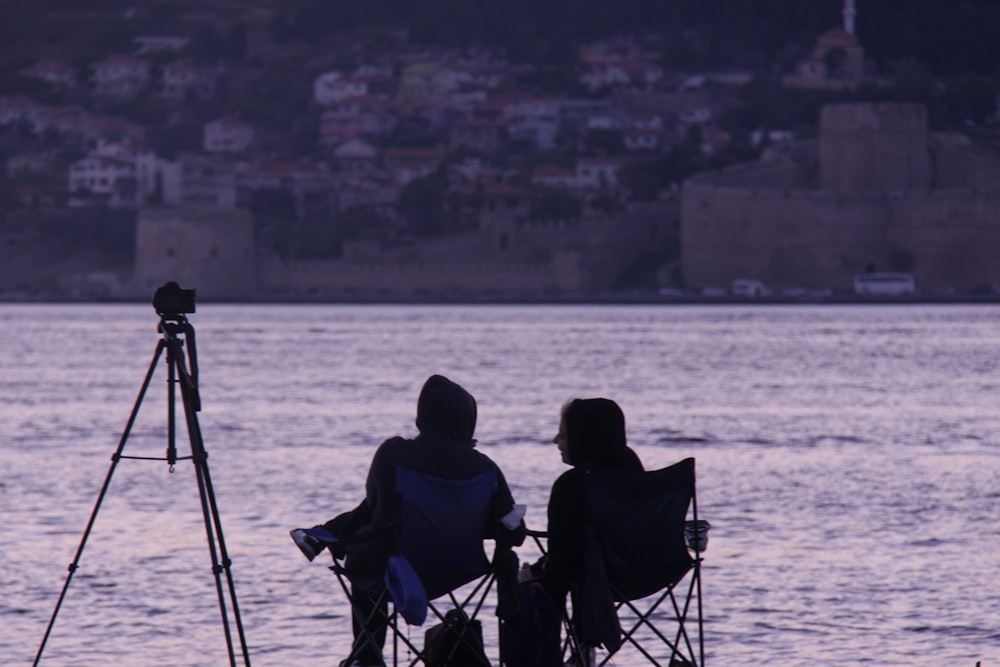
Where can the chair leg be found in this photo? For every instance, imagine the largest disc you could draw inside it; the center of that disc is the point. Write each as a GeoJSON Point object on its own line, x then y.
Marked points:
{"type": "Point", "coordinates": [370, 619]}
{"type": "Point", "coordinates": [682, 651]}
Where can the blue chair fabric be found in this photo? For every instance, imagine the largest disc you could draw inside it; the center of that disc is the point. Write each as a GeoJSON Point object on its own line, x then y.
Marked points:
{"type": "Point", "coordinates": [438, 548]}
{"type": "Point", "coordinates": [441, 527]}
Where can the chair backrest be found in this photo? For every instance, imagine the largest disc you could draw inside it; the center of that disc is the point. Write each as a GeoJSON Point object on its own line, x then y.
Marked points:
{"type": "Point", "coordinates": [639, 518]}
{"type": "Point", "coordinates": [442, 524]}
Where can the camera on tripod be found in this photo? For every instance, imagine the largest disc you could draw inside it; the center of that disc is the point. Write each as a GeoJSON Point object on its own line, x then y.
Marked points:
{"type": "Point", "coordinates": [172, 303]}
{"type": "Point", "coordinates": [171, 300]}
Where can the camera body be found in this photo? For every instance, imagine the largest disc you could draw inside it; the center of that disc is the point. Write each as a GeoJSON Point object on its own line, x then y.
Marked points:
{"type": "Point", "coordinates": [171, 300]}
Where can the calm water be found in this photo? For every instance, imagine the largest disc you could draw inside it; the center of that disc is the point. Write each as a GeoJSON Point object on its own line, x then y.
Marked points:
{"type": "Point", "coordinates": [847, 459]}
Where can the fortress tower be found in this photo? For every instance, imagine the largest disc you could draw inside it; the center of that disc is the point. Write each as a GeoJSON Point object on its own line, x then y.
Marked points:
{"type": "Point", "coordinates": [874, 147]}
{"type": "Point", "coordinates": [209, 249]}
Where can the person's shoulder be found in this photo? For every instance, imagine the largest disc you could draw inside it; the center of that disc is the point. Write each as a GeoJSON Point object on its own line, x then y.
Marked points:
{"type": "Point", "coordinates": [396, 441]}
{"type": "Point", "coordinates": [574, 472]}
{"type": "Point", "coordinates": [484, 463]}
{"type": "Point", "coordinates": [393, 442]}
{"type": "Point", "coordinates": [569, 479]}
{"type": "Point", "coordinates": [632, 461]}
{"type": "Point", "coordinates": [390, 449]}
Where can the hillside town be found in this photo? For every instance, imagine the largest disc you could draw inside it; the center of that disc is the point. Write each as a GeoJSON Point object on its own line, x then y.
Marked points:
{"type": "Point", "coordinates": [255, 164]}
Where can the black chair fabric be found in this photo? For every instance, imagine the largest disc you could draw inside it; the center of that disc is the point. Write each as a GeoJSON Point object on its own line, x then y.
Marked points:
{"type": "Point", "coordinates": [636, 559]}
{"type": "Point", "coordinates": [640, 519]}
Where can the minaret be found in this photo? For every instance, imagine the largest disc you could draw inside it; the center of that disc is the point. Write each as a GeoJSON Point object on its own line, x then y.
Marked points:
{"type": "Point", "coordinates": [849, 15]}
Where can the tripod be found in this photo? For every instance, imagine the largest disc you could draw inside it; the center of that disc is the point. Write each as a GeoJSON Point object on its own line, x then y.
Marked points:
{"type": "Point", "coordinates": [175, 329]}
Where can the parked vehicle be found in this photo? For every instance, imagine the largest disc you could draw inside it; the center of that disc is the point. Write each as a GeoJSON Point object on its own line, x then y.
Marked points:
{"type": "Point", "coordinates": [749, 287]}
{"type": "Point", "coordinates": [884, 284]}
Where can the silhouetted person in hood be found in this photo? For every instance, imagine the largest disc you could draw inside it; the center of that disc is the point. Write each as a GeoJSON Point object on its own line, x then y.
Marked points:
{"type": "Point", "coordinates": [445, 447]}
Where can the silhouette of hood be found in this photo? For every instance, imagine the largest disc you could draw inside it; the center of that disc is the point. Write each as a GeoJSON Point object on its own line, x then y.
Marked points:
{"type": "Point", "coordinates": [446, 409]}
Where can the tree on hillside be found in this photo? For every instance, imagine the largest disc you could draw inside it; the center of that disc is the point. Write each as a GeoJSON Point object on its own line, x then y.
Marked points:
{"type": "Point", "coordinates": [422, 206]}
{"type": "Point", "coordinates": [555, 203]}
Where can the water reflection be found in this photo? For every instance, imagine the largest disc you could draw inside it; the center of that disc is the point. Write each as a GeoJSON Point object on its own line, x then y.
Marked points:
{"type": "Point", "coordinates": [846, 459]}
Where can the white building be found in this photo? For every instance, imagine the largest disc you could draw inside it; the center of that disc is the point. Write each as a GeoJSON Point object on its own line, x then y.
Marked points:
{"type": "Point", "coordinates": [199, 181]}
{"type": "Point", "coordinates": [334, 87]}
{"type": "Point", "coordinates": [160, 43]}
{"type": "Point", "coordinates": [120, 175]}
{"type": "Point", "coordinates": [228, 135]}
{"type": "Point", "coordinates": [597, 173]}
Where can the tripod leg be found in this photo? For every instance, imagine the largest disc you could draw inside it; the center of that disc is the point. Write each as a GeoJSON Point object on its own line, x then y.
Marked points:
{"type": "Point", "coordinates": [210, 510]}
{"type": "Point", "coordinates": [115, 458]}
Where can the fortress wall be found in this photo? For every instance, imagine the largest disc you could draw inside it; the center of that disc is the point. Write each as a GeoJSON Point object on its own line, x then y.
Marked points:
{"type": "Point", "coordinates": [586, 253]}
{"type": "Point", "coordinates": [815, 239]}
{"type": "Point", "coordinates": [609, 251]}
{"type": "Point", "coordinates": [787, 238]}
{"type": "Point", "coordinates": [777, 173]}
{"type": "Point", "coordinates": [966, 167]}
{"type": "Point", "coordinates": [866, 147]}
{"type": "Point", "coordinates": [211, 250]}
{"type": "Point", "coordinates": [657, 223]}
{"type": "Point", "coordinates": [551, 257]}
{"type": "Point", "coordinates": [541, 257]}
{"type": "Point", "coordinates": [336, 277]}
{"type": "Point", "coordinates": [953, 237]}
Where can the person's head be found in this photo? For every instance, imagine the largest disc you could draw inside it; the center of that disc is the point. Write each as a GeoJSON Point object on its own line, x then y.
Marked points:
{"type": "Point", "coordinates": [446, 408]}
{"type": "Point", "coordinates": [591, 430]}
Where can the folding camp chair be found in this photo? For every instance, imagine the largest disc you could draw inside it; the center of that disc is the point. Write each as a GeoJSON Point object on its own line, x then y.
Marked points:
{"type": "Point", "coordinates": [438, 561]}
{"type": "Point", "coordinates": [642, 584]}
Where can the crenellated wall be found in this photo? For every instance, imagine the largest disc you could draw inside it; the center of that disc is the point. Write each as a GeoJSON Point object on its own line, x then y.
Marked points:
{"type": "Point", "coordinates": [214, 251]}
{"type": "Point", "coordinates": [345, 278]}
{"type": "Point", "coordinates": [506, 256]}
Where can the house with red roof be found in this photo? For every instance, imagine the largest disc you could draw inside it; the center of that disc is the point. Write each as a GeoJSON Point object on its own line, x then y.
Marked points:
{"type": "Point", "coordinates": [59, 75]}
{"type": "Point", "coordinates": [121, 77]}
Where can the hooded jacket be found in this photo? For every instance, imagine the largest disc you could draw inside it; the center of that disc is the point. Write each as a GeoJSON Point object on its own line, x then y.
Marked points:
{"type": "Point", "coordinates": [446, 421]}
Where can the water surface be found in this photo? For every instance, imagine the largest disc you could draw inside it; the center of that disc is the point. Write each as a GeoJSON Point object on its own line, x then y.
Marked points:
{"type": "Point", "coordinates": [847, 459]}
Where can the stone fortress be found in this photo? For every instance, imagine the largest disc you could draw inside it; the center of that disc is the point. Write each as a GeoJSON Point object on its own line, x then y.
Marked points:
{"type": "Point", "coordinates": [509, 256]}
{"type": "Point", "coordinates": [875, 192]}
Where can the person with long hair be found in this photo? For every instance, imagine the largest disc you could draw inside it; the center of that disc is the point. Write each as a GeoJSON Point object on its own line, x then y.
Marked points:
{"type": "Point", "coordinates": [591, 436]}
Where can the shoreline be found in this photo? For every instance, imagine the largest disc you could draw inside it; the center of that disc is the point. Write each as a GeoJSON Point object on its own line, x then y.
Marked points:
{"type": "Point", "coordinates": [485, 300]}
